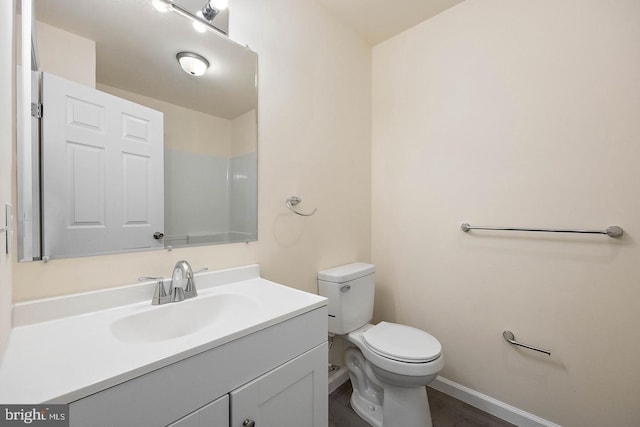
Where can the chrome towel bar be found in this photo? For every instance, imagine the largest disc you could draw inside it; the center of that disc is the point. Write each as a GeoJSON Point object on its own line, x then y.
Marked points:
{"type": "Point", "coordinates": [508, 335]}
{"type": "Point", "coordinates": [612, 231]}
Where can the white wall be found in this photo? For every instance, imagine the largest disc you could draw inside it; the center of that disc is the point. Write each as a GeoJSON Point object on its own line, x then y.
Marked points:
{"type": "Point", "coordinates": [243, 191]}
{"type": "Point", "coordinates": [516, 113]}
{"type": "Point", "coordinates": [6, 167]}
{"type": "Point", "coordinates": [243, 188]}
{"type": "Point", "coordinates": [314, 142]}
{"type": "Point", "coordinates": [196, 193]}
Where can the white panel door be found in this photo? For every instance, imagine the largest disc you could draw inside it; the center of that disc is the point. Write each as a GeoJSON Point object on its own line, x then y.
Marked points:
{"type": "Point", "coordinates": [292, 395]}
{"type": "Point", "coordinates": [103, 186]}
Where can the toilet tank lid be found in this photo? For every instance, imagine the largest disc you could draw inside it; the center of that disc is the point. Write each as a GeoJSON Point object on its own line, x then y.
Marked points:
{"type": "Point", "coordinates": [345, 273]}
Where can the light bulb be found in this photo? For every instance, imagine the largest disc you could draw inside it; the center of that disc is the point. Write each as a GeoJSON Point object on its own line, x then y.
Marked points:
{"type": "Point", "coordinates": [199, 26]}
{"type": "Point", "coordinates": [219, 4]}
{"type": "Point", "coordinates": [160, 5]}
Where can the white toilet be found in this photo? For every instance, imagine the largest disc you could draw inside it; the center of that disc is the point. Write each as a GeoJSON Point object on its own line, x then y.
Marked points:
{"type": "Point", "coordinates": [389, 364]}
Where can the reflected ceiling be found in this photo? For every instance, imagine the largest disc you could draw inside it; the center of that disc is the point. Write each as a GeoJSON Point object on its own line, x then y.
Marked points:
{"type": "Point", "coordinates": [136, 49]}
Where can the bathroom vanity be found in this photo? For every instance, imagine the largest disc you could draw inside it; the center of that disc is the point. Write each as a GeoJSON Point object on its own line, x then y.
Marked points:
{"type": "Point", "coordinates": [244, 352]}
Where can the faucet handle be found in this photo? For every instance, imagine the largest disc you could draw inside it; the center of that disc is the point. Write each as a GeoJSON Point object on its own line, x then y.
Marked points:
{"type": "Point", "coordinates": [190, 290]}
{"type": "Point", "coordinates": [160, 294]}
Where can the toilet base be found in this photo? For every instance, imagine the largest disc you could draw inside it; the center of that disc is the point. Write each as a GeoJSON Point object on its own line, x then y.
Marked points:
{"type": "Point", "coordinates": [406, 407]}
{"type": "Point", "coordinates": [366, 399]}
{"type": "Point", "coordinates": [370, 412]}
{"type": "Point", "coordinates": [385, 405]}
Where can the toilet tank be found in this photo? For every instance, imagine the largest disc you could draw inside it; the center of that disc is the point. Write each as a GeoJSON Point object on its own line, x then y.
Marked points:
{"type": "Point", "coordinates": [350, 290]}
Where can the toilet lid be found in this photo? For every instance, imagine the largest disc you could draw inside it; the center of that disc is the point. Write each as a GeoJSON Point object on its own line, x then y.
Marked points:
{"type": "Point", "coordinates": [402, 343]}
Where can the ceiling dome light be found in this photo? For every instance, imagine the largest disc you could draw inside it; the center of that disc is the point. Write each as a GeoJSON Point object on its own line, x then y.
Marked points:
{"type": "Point", "coordinates": [192, 63]}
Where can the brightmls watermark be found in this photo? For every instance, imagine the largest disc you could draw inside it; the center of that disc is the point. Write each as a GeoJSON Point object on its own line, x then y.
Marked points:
{"type": "Point", "coordinates": [34, 415]}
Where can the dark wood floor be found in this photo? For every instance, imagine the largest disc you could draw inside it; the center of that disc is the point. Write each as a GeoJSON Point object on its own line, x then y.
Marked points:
{"type": "Point", "coordinates": [445, 411]}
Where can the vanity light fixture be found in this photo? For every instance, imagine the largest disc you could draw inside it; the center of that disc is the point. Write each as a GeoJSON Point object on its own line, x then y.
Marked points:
{"type": "Point", "coordinates": [212, 8]}
{"type": "Point", "coordinates": [160, 5]}
{"type": "Point", "coordinates": [197, 25]}
{"type": "Point", "coordinates": [192, 63]}
{"type": "Point", "coordinates": [202, 19]}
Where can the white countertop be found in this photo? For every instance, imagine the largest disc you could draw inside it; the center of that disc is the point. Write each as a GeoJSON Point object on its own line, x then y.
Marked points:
{"type": "Point", "coordinates": [67, 357]}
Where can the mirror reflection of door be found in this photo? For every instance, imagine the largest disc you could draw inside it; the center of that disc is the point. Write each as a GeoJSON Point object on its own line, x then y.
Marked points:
{"type": "Point", "coordinates": [28, 167]}
{"type": "Point", "coordinates": [102, 171]}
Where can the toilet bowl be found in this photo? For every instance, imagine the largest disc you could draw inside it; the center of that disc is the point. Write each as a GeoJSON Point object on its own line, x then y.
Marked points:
{"type": "Point", "coordinates": [398, 379]}
{"type": "Point", "coordinates": [389, 364]}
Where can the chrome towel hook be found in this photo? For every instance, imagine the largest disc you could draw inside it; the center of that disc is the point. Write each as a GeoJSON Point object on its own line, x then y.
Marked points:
{"type": "Point", "coordinates": [294, 201]}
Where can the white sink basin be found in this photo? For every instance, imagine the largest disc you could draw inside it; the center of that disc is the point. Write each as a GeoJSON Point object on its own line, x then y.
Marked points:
{"type": "Point", "coordinates": [115, 335]}
{"type": "Point", "coordinates": [173, 320]}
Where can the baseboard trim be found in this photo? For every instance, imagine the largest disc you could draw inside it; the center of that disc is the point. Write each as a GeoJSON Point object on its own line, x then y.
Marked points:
{"type": "Point", "coordinates": [337, 378]}
{"type": "Point", "coordinates": [489, 404]}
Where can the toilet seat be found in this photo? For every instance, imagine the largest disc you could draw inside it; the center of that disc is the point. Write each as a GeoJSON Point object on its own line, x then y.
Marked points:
{"type": "Point", "coordinates": [402, 343]}
{"type": "Point", "coordinates": [415, 369]}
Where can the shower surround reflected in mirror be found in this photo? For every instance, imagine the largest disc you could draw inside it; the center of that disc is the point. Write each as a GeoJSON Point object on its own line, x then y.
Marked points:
{"type": "Point", "coordinates": [127, 51]}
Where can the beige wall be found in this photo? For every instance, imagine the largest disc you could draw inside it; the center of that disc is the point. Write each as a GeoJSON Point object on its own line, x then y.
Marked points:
{"type": "Point", "coordinates": [314, 142]}
{"type": "Point", "coordinates": [499, 112]}
{"type": "Point", "coordinates": [185, 129]}
{"type": "Point", "coordinates": [66, 55]}
{"type": "Point", "coordinates": [6, 167]}
{"type": "Point", "coordinates": [516, 113]}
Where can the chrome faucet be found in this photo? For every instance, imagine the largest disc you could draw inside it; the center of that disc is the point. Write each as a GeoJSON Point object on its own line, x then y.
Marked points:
{"type": "Point", "coordinates": [182, 286]}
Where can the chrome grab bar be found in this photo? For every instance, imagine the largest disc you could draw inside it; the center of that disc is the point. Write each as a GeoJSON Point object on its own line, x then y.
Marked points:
{"type": "Point", "coordinates": [508, 335]}
{"type": "Point", "coordinates": [612, 231]}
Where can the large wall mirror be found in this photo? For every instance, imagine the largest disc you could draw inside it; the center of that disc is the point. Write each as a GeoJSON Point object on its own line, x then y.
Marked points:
{"type": "Point", "coordinates": [132, 151]}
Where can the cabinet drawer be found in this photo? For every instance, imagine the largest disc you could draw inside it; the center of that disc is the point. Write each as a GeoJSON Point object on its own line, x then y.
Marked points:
{"type": "Point", "coordinates": [215, 414]}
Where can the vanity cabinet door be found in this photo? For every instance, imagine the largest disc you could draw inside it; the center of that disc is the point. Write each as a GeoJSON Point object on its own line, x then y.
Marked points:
{"type": "Point", "coordinates": [215, 414]}
{"type": "Point", "coordinates": [292, 395]}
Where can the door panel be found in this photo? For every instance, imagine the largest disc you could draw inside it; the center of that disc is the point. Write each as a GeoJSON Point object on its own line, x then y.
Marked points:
{"type": "Point", "coordinates": [83, 114]}
{"type": "Point", "coordinates": [135, 179]}
{"type": "Point", "coordinates": [86, 186]}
